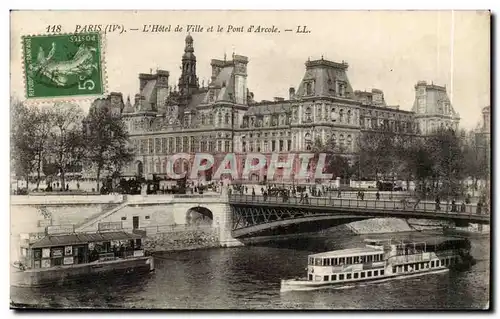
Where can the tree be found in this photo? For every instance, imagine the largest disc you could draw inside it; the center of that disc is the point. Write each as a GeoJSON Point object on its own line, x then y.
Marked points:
{"type": "Point", "coordinates": [418, 164]}
{"type": "Point", "coordinates": [66, 143]}
{"type": "Point", "coordinates": [42, 126]}
{"type": "Point", "coordinates": [335, 162]}
{"type": "Point", "coordinates": [22, 139]}
{"type": "Point", "coordinates": [445, 151]}
{"type": "Point", "coordinates": [475, 159]}
{"type": "Point", "coordinates": [376, 153]}
{"type": "Point", "coordinates": [107, 140]}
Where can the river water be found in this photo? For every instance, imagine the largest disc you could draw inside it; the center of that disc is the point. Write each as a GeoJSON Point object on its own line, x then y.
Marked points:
{"type": "Point", "coordinates": [249, 278]}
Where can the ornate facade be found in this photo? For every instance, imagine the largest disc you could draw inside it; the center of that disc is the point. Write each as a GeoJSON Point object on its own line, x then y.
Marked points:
{"type": "Point", "coordinates": [223, 116]}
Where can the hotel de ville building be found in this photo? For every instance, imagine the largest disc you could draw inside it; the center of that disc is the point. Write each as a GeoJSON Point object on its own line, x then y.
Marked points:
{"type": "Point", "coordinates": [223, 116]}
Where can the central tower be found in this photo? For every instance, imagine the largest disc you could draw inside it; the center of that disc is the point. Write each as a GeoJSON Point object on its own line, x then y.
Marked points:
{"type": "Point", "coordinates": [188, 82]}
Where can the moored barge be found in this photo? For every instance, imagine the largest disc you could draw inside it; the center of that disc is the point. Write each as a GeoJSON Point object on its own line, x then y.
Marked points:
{"type": "Point", "coordinates": [57, 259]}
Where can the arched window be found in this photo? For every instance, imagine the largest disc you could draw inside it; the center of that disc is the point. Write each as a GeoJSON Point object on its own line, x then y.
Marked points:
{"type": "Point", "coordinates": [333, 115]}
{"type": "Point", "coordinates": [334, 140]}
{"type": "Point", "coordinates": [349, 117]}
{"type": "Point", "coordinates": [202, 119]}
{"type": "Point", "coordinates": [341, 140]}
{"type": "Point", "coordinates": [308, 88]}
{"type": "Point", "coordinates": [308, 141]}
{"type": "Point", "coordinates": [226, 118]}
{"type": "Point", "coordinates": [349, 142]}
{"type": "Point", "coordinates": [341, 115]}
{"type": "Point", "coordinates": [219, 118]}
{"type": "Point", "coordinates": [308, 114]}
{"type": "Point", "coordinates": [210, 119]}
{"type": "Point", "coordinates": [158, 167]}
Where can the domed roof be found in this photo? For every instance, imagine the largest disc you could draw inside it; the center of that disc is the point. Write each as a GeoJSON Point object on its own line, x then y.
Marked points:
{"type": "Point", "coordinates": [189, 39]}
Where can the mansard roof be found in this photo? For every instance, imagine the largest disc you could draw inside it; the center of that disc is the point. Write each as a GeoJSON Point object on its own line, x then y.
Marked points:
{"type": "Point", "coordinates": [325, 74]}
{"type": "Point", "coordinates": [436, 100]}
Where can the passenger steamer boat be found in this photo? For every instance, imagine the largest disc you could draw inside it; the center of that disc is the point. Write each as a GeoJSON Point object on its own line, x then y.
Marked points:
{"type": "Point", "coordinates": [382, 260]}
{"type": "Point", "coordinates": [59, 258]}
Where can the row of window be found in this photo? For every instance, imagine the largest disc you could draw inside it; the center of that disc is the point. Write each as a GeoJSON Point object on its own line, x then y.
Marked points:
{"type": "Point", "coordinates": [179, 144]}
{"type": "Point", "coordinates": [275, 147]}
{"type": "Point", "coordinates": [345, 260]}
{"type": "Point", "coordinates": [445, 262]}
{"type": "Point", "coordinates": [340, 88]}
{"type": "Point", "coordinates": [350, 276]}
{"type": "Point", "coordinates": [145, 217]}
{"type": "Point", "coordinates": [396, 269]}
{"type": "Point", "coordinates": [342, 117]}
{"type": "Point", "coordinates": [254, 121]}
{"type": "Point", "coordinates": [385, 125]}
{"type": "Point", "coordinates": [209, 119]}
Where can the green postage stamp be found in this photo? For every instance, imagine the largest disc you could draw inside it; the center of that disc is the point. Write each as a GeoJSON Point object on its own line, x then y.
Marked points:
{"type": "Point", "coordinates": [63, 65]}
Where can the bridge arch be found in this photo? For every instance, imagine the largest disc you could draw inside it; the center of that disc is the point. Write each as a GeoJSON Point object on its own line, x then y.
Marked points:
{"type": "Point", "coordinates": [199, 215]}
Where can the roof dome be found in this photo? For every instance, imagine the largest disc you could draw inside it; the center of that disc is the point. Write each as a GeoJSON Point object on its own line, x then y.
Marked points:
{"type": "Point", "coordinates": [189, 39]}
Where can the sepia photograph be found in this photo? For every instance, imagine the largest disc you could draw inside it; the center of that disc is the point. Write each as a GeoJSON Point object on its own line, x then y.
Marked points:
{"type": "Point", "coordinates": [250, 160]}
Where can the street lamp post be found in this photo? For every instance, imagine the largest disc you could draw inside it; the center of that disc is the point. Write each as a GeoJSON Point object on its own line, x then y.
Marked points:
{"type": "Point", "coordinates": [392, 183]}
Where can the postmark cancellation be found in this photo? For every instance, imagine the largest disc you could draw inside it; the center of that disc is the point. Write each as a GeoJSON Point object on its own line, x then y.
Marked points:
{"type": "Point", "coordinates": [63, 65]}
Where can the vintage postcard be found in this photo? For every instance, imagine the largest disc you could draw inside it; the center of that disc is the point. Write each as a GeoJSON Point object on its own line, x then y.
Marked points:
{"type": "Point", "coordinates": [250, 160]}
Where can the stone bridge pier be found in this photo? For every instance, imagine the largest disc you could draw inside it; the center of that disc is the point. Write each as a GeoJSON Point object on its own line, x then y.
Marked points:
{"type": "Point", "coordinates": [217, 206]}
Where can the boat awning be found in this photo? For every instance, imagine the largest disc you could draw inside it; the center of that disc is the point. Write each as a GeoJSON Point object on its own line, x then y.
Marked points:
{"type": "Point", "coordinates": [82, 238]}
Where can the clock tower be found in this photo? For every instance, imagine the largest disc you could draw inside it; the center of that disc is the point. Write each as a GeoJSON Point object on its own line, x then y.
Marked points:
{"type": "Point", "coordinates": [188, 81]}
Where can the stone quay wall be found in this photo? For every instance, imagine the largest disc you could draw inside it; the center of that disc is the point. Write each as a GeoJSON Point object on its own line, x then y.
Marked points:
{"type": "Point", "coordinates": [183, 240]}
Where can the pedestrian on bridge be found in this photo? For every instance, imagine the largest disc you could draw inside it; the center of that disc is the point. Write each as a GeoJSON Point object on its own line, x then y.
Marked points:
{"type": "Point", "coordinates": [453, 206]}
{"type": "Point", "coordinates": [377, 195]}
{"type": "Point", "coordinates": [438, 203]}
{"type": "Point", "coordinates": [479, 206]}
{"type": "Point", "coordinates": [306, 199]}
{"type": "Point", "coordinates": [339, 194]}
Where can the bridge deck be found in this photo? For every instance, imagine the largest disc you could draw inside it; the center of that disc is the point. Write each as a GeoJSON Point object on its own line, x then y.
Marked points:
{"type": "Point", "coordinates": [380, 208]}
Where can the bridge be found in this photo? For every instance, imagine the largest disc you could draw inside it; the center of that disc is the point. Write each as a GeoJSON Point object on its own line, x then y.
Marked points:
{"type": "Point", "coordinates": [232, 218]}
{"type": "Point", "coordinates": [264, 215]}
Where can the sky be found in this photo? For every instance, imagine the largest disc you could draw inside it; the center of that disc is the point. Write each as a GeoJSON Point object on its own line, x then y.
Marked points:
{"type": "Point", "coordinates": [388, 50]}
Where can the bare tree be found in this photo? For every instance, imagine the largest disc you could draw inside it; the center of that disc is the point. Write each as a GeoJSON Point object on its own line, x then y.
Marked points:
{"type": "Point", "coordinates": [23, 138]}
{"type": "Point", "coordinates": [66, 142]}
{"type": "Point", "coordinates": [42, 118]}
{"type": "Point", "coordinates": [107, 140]}
{"type": "Point", "coordinates": [376, 152]}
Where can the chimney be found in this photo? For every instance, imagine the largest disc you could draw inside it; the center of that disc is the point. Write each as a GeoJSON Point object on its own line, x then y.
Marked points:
{"type": "Point", "coordinates": [217, 66]}
{"type": "Point", "coordinates": [143, 79]}
{"type": "Point", "coordinates": [291, 92]}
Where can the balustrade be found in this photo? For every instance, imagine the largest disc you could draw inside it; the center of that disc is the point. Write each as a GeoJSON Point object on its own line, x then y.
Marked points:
{"type": "Point", "coordinates": [358, 205]}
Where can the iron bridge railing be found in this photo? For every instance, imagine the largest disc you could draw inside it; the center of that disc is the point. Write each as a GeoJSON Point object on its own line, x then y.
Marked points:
{"type": "Point", "coordinates": [365, 205]}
